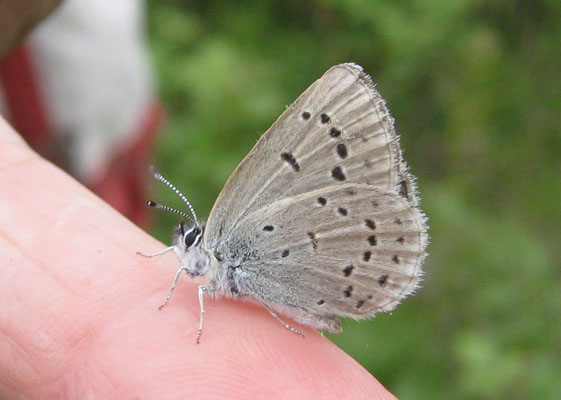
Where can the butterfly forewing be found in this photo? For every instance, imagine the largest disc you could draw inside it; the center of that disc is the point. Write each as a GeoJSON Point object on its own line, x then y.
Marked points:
{"type": "Point", "coordinates": [337, 131]}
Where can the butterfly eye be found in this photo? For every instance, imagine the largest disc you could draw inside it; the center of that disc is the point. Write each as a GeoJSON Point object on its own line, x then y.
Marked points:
{"type": "Point", "coordinates": [192, 237]}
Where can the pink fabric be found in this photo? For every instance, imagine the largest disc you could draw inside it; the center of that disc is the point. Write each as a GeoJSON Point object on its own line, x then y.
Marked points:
{"type": "Point", "coordinates": [125, 183]}
{"type": "Point", "coordinates": [24, 102]}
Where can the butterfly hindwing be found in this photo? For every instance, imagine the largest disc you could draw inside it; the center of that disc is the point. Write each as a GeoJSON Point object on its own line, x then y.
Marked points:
{"type": "Point", "coordinates": [350, 250]}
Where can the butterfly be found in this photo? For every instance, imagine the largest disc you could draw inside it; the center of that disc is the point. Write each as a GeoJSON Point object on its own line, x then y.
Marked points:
{"type": "Point", "coordinates": [320, 220]}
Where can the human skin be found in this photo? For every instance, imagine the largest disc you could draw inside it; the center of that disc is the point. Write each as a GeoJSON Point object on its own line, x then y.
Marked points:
{"type": "Point", "coordinates": [79, 314]}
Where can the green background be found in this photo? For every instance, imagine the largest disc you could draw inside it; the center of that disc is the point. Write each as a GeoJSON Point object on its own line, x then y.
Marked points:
{"type": "Point", "coordinates": [475, 88]}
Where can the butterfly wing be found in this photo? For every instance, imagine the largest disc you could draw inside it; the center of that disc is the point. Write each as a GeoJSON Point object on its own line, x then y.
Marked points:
{"type": "Point", "coordinates": [337, 131]}
{"type": "Point", "coordinates": [321, 216]}
{"type": "Point", "coordinates": [349, 250]}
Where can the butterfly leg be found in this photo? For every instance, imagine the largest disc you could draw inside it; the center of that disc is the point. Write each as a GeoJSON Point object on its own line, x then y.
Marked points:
{"type": "Point", "coordinates": [173, 285]}
{"type": "Point", "coordinates": [274, 314]}
{"type": "Point", "coordinates": [159, 253]}
{"type": "Point", "coordinates": [202, 290]}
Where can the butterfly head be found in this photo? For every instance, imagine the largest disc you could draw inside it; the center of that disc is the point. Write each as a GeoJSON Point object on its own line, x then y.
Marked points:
{"type": "Point", "coordinates": [188, 237]}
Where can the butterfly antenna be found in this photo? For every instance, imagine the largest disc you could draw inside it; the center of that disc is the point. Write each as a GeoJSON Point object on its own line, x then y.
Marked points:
{"type": "Point", "coordinates": [159, 177]}
{"type": "Point", "coordinates": [170, 209]}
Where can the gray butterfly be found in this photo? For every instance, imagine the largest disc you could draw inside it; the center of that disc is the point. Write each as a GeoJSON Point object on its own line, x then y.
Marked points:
{"type": "Point", "coordinates": [320, 220]}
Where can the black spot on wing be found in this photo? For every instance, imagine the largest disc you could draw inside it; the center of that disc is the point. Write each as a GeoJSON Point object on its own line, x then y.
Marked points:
{"type": "Point", "coordinates": [348, 270]}
{"type": "Point", "coordinates": [382, 280]}
{"type": "Point", "coordinates": [370, 224]}
{"type": "Point", "coordinates": [334, 132]}
{"type": "Point", "coordinates": [312, 236]}
{"type": "Point", "coordinates": [342, 150]}
{"type": "Point", "coordinates": [337, 174]}
{"type": "Point", "coordinates": [289, 158]}
{"type": "Point", "coordinates": [403, 189]}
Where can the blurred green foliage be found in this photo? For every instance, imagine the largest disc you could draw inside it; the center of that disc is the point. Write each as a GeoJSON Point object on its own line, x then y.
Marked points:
{"type": "Point", "coordinates": [475, 87]}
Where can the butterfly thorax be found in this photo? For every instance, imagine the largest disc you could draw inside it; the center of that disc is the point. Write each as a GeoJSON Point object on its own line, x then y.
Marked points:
{"type": "Point", "coordinates": [226, 273]}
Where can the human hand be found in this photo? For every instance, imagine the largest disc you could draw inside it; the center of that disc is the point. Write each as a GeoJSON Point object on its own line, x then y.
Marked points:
{"type": "Point", "coordinates": [79, 310]}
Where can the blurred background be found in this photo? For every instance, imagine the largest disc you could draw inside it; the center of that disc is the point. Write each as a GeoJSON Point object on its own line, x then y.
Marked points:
{"type": "Point", "coordinates": [475, 88]}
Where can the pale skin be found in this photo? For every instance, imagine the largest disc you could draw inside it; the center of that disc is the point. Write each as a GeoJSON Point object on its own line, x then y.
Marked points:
{"type": "Point", "coordinates": [79, 310]}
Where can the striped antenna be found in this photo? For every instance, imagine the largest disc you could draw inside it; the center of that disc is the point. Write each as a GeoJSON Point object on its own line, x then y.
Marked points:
{"type": "Point", "coordinates": [159, 177]}
{"type": "Point", "coordinates": [170, 209]}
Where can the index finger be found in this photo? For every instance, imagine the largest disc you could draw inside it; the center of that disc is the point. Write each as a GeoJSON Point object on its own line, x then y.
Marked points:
{"type": "Point", "coordinates": [80, 310]}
